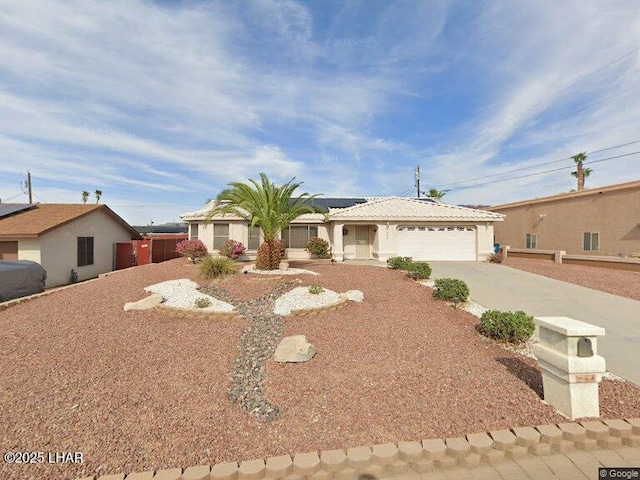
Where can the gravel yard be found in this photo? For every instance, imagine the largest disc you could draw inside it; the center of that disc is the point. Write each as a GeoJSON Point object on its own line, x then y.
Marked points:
{"type": "Point", "coordinates": [141, 390]}
{"type": "Point", "coordinates": [624, 283]}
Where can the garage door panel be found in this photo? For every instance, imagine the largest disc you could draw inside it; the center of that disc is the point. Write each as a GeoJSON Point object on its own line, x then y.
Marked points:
{"type": "Point", "coordinates": [451, 243]}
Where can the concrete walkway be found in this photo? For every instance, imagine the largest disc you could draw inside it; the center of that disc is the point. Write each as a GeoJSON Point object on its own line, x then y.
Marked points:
{"type": "Point", "coordinates": [502, 288]}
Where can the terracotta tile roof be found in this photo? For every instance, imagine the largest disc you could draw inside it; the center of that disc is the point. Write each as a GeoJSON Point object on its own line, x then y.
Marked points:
{"type": "Point", "coordinates": [399, 208]}
{"type": "Point", "coordinates": [45, 217]}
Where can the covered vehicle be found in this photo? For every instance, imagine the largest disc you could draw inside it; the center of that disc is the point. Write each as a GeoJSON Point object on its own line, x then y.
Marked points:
{"type": "Point", "coordinates": [20, 278]}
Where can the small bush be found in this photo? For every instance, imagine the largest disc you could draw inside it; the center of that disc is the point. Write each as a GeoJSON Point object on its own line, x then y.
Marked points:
{"type": "Point", "coordinates": [232, 249]}
{"type": "Point", "coordinates": [192, 249]}
{"type": "Point", "coordinates": [399, 263]}
{"type": "Point", "coordinates": [202, 302]}
{"type": "Point", "coordinates": [514, 327]}
{"type": "Point", "coordinates": [316, 289]}
{"type": "Point", "coordinates": [318, 246]}
{"type": "Point", "coordinates": [496, 257]}
{"type": "Point", "coordinates": [450, 289]}
{"type": "Point", "coordinates": [216, 267]}
{"type": "Point", "coordinates": [421, 270]}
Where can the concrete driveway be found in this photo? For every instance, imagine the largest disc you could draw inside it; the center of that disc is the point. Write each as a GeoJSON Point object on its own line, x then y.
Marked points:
{"type": "Point", "coordinates": [503, 288]}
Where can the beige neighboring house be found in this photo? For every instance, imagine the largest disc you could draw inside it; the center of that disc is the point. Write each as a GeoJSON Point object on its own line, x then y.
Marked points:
{"type": "Point", "coordinates": [62, 237]}
{"type": "Point", "coordinates": [366, 228]}
{"type": "Point", "coordinates": [599, 221]}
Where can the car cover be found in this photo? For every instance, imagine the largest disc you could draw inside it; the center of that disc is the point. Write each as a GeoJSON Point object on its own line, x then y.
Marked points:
{"type": "Point", "coordinates": [20, 278]}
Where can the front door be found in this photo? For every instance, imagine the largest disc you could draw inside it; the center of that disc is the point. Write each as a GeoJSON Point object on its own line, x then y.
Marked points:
{"type": "Point", "coordinates": [363, 247]}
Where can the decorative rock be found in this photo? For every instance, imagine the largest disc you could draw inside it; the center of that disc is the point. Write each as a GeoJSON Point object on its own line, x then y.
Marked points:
{"type": "Point", "coordinates": [306, 464]}
{"type": "Point", "coordinates": [251, 470]}
{"type": "Point", "coordinates": [279, 467]}
{"type": "Point", "coordinates": [224, 471]}
{"type": "Point", "coordinates": [332, 460]}
{"type": "Point", "coordinates": [359, 457]}
{"type": "Point", "coordinates": [172, 474]}
{"type": "Point", "coordinates": [283, 266]}
{"type": "Point", "coordinates": [354, 295]}
{"type": "Point", "coordinates": [146, 303]}
{"type": "Point", "coordinates": [294, 349]}
{"type": "Point", "coordinates": [201, 472]}
{"type": "Point", "coordinates": [410, 451]}
{"type": "Point", "coordinates": [385, 454]}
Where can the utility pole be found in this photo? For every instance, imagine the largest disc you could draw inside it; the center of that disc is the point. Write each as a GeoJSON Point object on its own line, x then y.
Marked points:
{"type": "Point", "coordinates": [27, 185]}
{"type": "Point", "coordinates": [418, 180]}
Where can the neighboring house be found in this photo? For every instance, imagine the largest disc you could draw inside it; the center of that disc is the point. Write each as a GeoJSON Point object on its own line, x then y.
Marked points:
{"type": "Point", "coordinates": [599, 221]}
{"type": "Point", "coordinates": [62, 237]}
{"type": "Point", "coordinates": [361, 228]}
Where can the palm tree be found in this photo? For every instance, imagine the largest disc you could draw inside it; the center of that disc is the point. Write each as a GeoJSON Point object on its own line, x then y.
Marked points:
{"type": "Point", "coordinates": [85, 196]}
{"type": "Point", "coordinates": [437, 194]}
{"type": "Point", "coordinates": [581, 173]}
{"type": "Point", "coordinates": [265, 206]}
{"type": "Point", "coordinates": [98, 195]}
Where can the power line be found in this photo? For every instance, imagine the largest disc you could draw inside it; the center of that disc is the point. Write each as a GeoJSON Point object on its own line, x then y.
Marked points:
{"type": "Point", "coordinates": [537, 165]}
{"type": "Point", "coordinates": [543, 172]}
{"type": "Point", "coordinates": [15, 196]}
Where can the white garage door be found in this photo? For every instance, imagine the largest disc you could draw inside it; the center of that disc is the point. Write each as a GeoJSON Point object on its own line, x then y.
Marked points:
{"type": "Point", "coordinates": [436, 243]}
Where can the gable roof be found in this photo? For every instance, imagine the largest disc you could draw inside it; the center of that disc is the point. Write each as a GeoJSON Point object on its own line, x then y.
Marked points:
{"type": "Point", "coordinates": [401, 208]}
{"type": "Point", "coordinates": [35, 222]}
{"type": "Point", "coordinates": [563, 196]}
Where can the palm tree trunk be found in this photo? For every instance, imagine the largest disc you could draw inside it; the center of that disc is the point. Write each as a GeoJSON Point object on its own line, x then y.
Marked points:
{"type": "Point", "coordinates": [580, 172]}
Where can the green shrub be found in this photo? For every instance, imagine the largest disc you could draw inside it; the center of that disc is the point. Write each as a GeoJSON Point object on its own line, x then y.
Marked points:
{"type": "Point", "coordinates": [420, 270]}
{"type": "Point", "coordinates": [318, 246]}
{"type": "Point", "coordinates": [399, 263]}
{"type": "Point", "coordinates": [514, 327]}
{"type": "Point", "coordinates": [202, 302]}
{"type": "Point", "coordinates": [316, 289]}
{"type": "Point", "coordinates": [216, 267]}
{"type": "Point", "coordinates": [450, 289]}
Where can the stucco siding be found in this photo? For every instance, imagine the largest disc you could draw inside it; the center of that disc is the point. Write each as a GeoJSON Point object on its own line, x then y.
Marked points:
{"type": "Point", "coordinates": [29, 249]}
{"type": "Point", "coordinates": [59, 248]}
{"type": "Point", "coordinates": [560, 224]}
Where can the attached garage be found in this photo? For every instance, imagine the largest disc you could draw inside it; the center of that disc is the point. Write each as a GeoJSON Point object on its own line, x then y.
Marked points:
{"type": "Point", "coordinates": [437, 243]}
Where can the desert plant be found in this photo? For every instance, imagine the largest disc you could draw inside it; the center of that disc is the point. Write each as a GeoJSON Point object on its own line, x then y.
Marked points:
{"type": "Point", "coordinates": [400, 263]}
{"type": "Point", "coordinates": [420, 270]}
{"type": "Point", "coordinates": [232, 249]}
{"type": "Point", "coordinates": [216, 267]}
{"type": "Point", "coordinates": [192, 249]}
{"type": "Point", "coordinates": [496, 257]}
{"type": "Point", "coordinates": [514, 327]}
{"type": "Point", "coordinates": [318, 246]}
{"type": "Point", "coordinates": [581, 173]}
{"type": "Point", "coordinates": [316, 289]}
{"type": "Point", "coordinates": [265, 206]}
{"type": "Point", "coordinates": [451, 289]}
{"type": "Point", "coordinates": [202, 302]}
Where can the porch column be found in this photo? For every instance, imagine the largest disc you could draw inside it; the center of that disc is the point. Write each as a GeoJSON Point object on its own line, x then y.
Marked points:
{"type": "Point", "coordinates": [337, 248]}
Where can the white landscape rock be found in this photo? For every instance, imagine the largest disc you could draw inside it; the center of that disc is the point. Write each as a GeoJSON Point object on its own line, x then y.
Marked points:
{"type": "Point", "coordinates": [294, 349]}
{"type": "Point", "coordinates": [353, 295]}
{"type": "Point", "coordinates": [300, 297]}
{"type": "Point", "coordinates": [146, 303]}
{"type": "Point", "coordinates": [183, 293]}
{"type": "Point", "coordinates": [284, 271]}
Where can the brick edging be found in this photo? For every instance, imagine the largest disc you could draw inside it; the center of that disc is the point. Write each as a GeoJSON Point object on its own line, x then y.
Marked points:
{"type": "Point", "coordinates": [302, 312]}
{"type": "Point", "coordinates": [418, 456]}
{"type": "Point", "coordinates": [196, 313]}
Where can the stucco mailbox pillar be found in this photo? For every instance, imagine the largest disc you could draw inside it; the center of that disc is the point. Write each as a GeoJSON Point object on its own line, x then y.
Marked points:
{"type": "Point", "coordinates": [571, 367]}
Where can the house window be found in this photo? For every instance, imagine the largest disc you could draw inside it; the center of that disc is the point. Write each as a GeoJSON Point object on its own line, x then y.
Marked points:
{"type": "Point", "coordinates": [220, 235]}
{"type": "Point", "coordinates": [193, 231]}
{"type": "Point", "coordinates": [254, 238]}
{"type": "Point", "coordinates": [590, 241]}
{"type": "Point", "coordinates": [85, 251]}
{"type": "Point", "coordinates": [297, 236]}
{"type": "Point", "coordinates": [531, 240]}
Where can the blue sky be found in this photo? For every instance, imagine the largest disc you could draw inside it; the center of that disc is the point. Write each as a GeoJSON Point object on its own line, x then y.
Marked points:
{"type": "Point", "coordinates": [161, 104]}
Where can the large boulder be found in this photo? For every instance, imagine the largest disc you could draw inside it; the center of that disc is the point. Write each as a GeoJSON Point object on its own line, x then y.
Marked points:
{"type": "Point", "coordinates": [353, 295]}
{"type": "Point", "coordinates": [146, 303]}
{"type": "Point", "coordinates": [294, 349]}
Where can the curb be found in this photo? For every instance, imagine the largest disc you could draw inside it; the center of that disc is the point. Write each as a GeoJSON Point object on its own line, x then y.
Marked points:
{"type": "Point", "coordinates": [303, 312]}
{"type": "Point", "coordinates": [416, 457]}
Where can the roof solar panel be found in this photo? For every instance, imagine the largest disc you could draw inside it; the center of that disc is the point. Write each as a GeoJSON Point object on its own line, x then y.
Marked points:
{"type": "Point", "coordinates": [7, 209]}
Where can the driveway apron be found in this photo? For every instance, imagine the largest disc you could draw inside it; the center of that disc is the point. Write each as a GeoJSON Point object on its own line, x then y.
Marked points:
{"type": "Point", "coordinates": [502, 288]}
